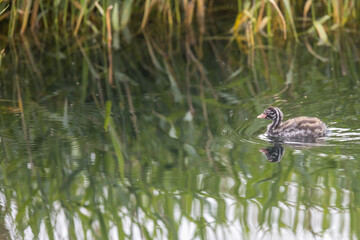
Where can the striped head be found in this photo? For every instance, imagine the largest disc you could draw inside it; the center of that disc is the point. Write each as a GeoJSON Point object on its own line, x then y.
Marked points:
{"type": "Point", "coordinates": [272, 113]}
{"type": "Point", "coordinates": [273, 153]}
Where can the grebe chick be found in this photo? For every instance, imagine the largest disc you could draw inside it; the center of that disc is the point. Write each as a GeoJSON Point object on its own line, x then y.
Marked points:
{"type": "Point", "coordinates": [300, 127]}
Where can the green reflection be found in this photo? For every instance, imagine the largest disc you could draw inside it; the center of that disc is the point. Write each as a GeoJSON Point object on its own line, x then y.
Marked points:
{"type": "Point", "coordinates": [171, 149]}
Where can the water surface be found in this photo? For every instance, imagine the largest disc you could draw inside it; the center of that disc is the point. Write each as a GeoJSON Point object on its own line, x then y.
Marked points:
{"type": "Point", "coordinates": [173, 149]}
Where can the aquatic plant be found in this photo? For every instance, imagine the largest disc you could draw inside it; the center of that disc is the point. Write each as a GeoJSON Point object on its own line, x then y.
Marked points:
{"type": "Point", "coordinates": [264, 17]}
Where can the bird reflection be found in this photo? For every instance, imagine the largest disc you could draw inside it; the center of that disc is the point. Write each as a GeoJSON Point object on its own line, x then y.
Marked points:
{"type": "Point", "coordinates": [273, 153]}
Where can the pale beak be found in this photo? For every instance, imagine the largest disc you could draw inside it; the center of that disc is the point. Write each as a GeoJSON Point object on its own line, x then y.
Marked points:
{"type": "Point", "coordinates": [261, 116]}
{"type": "Point", "coordinates": [263, 150]}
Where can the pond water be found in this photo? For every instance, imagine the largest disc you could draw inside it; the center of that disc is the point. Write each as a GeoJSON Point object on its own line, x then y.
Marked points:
{"type": "Point", "coordinates": [173, 149]}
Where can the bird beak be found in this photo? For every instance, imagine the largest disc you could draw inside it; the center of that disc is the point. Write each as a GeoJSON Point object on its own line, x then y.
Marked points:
{"type": "Point", "coordinates": [263, 150]}
{"type": "Point", "coordinates": [261, 116]}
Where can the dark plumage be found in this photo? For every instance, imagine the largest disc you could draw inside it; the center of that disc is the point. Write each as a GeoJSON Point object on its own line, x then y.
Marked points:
{"type": "Point", "coordinates": [273, 153]}
{"type": "Point", "coordinates": [300, 127]}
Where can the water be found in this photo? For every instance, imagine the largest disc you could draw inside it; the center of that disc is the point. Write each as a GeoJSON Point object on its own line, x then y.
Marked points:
{"type": "Point", "coordinates": [176, 158]}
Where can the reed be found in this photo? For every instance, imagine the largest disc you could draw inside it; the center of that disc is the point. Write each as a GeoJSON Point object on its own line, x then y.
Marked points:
{"type": "Point", "coordinates": [265, 17]}
{"type": "Point", "coordinates": [319, 18]}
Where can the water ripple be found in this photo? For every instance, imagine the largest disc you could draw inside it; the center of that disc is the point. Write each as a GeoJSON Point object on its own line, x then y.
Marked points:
{"type": "Point", "coordinates": [247, 132]}
{"type": "Point", "coordinates": [254, 133]}
{"type": "Point", "coordinates": [342, 135]}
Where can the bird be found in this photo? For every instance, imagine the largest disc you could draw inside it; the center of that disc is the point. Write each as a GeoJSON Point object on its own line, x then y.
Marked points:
{"type": "Point", "coordinates": [295, 128]}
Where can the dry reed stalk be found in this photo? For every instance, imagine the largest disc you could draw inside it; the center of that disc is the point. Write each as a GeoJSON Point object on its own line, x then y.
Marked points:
{"type": "Point", "coordinates": [77, 5]}
{"type": "Point", "coordinates": [25, 16]}
{"type": "Point", "coordinates": [336, 11]}
{"type": "Point", "coordinates": [307, 7]}
{"type": "Point", "coordinates": [281, 16]}
{"type": "Point", "coordinates": [148, 5]}
{"type": "Point", "coordinates": [189, 12]}
{"type": "Point", "coordinates": [185, 3]}
{"type": "Point", "coordinates": [109, 40]}
{"type": "Point", "coordinates": [81, 15]}
{"type": "Point", "coordinates": [34, 14]}
{"type": "Point", "coordinates": [261, 16]}
{"type": "Point", "coordinates": [201, 15]}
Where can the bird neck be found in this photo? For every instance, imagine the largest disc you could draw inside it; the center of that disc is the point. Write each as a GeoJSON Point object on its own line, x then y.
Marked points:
{"type": "Point", "coordinates": [274, 125]}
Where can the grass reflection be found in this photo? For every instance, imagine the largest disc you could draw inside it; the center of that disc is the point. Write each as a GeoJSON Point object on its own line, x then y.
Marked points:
{"type": "Point", "coordinates": [144, 157]}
